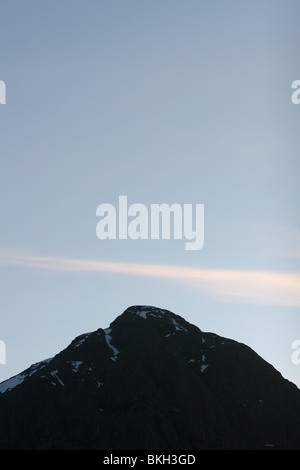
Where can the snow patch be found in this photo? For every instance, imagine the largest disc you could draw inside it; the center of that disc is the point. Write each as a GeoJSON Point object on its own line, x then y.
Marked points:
{"type": "Point", "coordinates": [143, 314]}
{"type": "Point", "coordinates": [82, 340]}
{"type": "Point", "coordinates": [202, 367]}
{"type": "Point", "coordinates": [178, 327]}
{"type": "Point", "coordinates": [39, 365]}
{"type": "Point", "coordinates": [54, 374]}
{"type": "Point", "coordinates": [158, 313]}
{"type": "Point", "coordinates": [13, 382]}
{"type": "Point", "coordinates": [108, 341]}
{"type": "Point", "coordinates": [75, 365]}
{"type": "Point", "coordinates": [154, 312]}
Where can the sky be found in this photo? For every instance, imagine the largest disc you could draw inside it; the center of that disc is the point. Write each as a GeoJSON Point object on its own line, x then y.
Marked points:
{"type": "Point", "coordinates": [165, 102]}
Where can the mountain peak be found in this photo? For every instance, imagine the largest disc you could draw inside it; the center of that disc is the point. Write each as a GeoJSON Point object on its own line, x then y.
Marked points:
{"type": "Point", "coordinates": [166, 318]}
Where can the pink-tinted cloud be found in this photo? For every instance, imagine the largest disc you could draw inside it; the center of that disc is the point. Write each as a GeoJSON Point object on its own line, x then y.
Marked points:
{"type": "Point", "coordinates": [258, 287]}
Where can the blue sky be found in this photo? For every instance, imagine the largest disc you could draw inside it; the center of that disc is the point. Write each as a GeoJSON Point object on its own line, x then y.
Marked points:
{"type": "Point", "coordinates": [164, 102]}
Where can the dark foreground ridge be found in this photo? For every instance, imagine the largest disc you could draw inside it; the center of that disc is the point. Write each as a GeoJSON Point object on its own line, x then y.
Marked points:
{"type": "Point", "coordinates": [151, 381]}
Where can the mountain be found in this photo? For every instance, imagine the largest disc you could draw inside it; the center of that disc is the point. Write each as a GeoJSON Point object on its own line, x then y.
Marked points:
{"type": "Point", "coordinates": [150, 381]}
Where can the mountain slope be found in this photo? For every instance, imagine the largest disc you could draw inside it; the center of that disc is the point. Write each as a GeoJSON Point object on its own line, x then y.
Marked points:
{"type": "Point", "coordinates": [150, 381]}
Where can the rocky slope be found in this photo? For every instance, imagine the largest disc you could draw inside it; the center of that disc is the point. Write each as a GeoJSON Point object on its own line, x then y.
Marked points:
{"type": "Point", "coordinates": [150, 381]}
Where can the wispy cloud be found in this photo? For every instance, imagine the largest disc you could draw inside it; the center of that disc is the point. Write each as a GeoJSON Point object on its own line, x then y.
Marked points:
{"type": "Point", "coordinates": [242, 286]}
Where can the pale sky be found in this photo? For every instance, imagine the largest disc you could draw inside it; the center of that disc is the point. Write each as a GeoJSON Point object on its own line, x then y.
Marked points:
{"type": "Point", "coordinates": [170, 101]}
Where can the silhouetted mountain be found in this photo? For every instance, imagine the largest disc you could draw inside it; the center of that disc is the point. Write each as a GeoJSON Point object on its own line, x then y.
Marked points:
{"type": "Point", "coordinates": [150, 381]}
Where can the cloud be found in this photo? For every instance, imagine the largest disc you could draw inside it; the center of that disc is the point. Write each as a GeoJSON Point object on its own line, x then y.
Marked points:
{"type": "Point", "coordinates": [242, 286]}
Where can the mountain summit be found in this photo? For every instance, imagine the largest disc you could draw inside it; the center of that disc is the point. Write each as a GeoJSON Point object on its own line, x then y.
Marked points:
{"type": "Point", "coordinates": [150, 381]}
